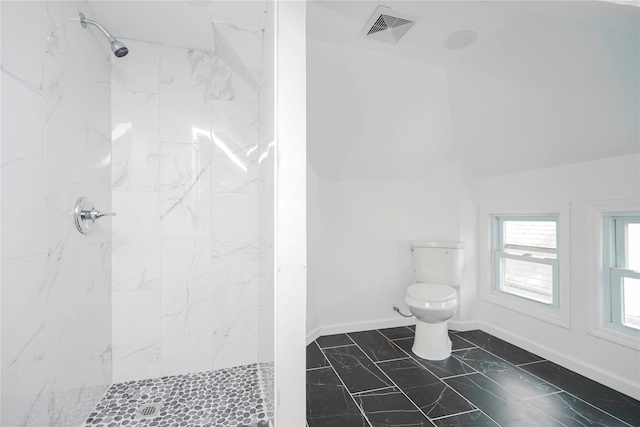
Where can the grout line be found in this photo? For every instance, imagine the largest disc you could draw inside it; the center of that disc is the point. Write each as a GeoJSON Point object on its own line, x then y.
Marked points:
{"type": "Point", "coordinates": [315, 369]}
{"type": "Point", "coordinates": [543, 395]}
{"type": "Point", "coordinates": [451, 388]}
{"type": "Point", "coordinates": [324, 357]}
{"type": "Point", "coordinates": [463, 349]}
{"type": "Point", "coordinates": [515, 366]}
{"type": "Point", "coordinates": [529, 363]}
{"type": "Point", "coordinates": [513, 393]}
{"type": "Point", "coordinates": [401, 338]}
{"type": "Point", "coordinates": [392, 382]}
{"type": "Point", "coordinates": [372, 390]}
{"type": "Point", "coordinates": [576, 397]}
{"type": "Point", "coordinates": [455, 415]}
{"type": "Point", "coordinates": [335, 346]}
{"type": "Point", "coordinates": [460, 375]}
{"type": "Point", "coordinates": [391, 360]}
{"type": "Point", "coordinates": [541, 379]}
{"type": "Point", "coordinates": [348, 392]}
{"type": "Point", "coordinates": [465, 340]}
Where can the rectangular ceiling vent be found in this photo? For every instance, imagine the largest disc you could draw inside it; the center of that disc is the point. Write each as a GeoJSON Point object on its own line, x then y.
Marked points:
{"type": "Point", "coordinates": [388, 25]}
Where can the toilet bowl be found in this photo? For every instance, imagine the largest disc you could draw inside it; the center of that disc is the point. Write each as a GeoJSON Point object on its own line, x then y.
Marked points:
{"type": "Point", "coordinates": [432, 305]}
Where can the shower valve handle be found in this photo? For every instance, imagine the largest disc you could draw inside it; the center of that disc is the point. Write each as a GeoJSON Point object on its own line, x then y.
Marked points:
{"type": "Point", "coordinates": [85, 215]}
{"type": "Point", "coordinates": [95, 214]}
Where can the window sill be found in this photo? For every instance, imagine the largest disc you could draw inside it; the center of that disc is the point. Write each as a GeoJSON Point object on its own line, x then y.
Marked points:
{"type": "Point", "coordinates": [617, 337]}
{"type": "Point", "coordinates": [549, 315]}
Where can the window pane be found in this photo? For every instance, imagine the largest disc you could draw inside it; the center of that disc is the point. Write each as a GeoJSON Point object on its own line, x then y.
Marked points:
{"type": "Point", "coordinates": [631, 297]}
{"type": "Point", "coordinates": [540, 234]}
{"type": "Point", "coordinates": [531, 252]}
{"type": "Point", "coordinates": [527, 279]}
{"type": "Point", "coordinates": [633, 246]}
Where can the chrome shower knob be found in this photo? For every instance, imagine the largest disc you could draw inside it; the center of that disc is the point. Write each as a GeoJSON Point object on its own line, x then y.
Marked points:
{"type": "Point", "coordinates": [85, 214]}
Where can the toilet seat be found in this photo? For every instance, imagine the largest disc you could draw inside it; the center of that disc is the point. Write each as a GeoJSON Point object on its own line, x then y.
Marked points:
{"type": "Point", "coordinates": [425, 292]}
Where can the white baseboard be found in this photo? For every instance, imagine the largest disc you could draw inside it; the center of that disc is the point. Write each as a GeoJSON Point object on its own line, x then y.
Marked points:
{"type": "Point", "coordinates": [463, 325]}
{"type": "Point", "coordinates": [313, 335]}
{"type": "Point", "coordinates": [343, 328]}
{"type": "Point", "coordinates": [616, 382]}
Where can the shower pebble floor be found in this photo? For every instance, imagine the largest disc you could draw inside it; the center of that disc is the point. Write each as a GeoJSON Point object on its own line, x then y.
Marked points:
{"type": "Point", "coordinates": [232, 397]}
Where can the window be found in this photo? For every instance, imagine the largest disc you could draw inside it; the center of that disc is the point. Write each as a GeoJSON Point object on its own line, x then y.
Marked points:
{"type": "Point", "coordinates": [525, 257]}
{"type": "Point", "coordinates": [621, 270]}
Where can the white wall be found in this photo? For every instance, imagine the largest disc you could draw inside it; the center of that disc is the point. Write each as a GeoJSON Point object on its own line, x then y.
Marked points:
{"type": "Point", "coordinates": [56, 299]}
{"type": "Point", "coordinates": [577, 184]}
{"type": "Point", "coordinates": [364, 264]}
{"type": "Point", "coordinates": [370, 119]}
{"type": "Point", "coordinates": [290, 214]}
{"type": "Point", "coordinates": [314, 263]}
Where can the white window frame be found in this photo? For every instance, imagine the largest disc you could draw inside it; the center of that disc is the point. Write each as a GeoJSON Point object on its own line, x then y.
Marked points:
{"type": "Point", "coordinates": [560, 312]}
{"type": "Point", "coordinates": [613, 271]}
{"type": "Point", "coordinates": [600, 256]}
{"type": "Point", "coordinates": [497, 232]}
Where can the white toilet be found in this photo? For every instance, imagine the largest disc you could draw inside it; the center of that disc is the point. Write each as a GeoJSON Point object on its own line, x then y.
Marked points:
{"type": "Point", "coordinates": [433, 299]}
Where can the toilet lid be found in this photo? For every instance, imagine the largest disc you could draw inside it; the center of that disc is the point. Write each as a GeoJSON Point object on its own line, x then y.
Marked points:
{"type": "Point", "coordinates": [431, 293]}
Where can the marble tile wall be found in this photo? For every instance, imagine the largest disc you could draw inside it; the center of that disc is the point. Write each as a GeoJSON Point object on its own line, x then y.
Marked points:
{"type": "Point", "coordinates": [55, 282]}
{"type": "Point", "coordinates": [188, 183]}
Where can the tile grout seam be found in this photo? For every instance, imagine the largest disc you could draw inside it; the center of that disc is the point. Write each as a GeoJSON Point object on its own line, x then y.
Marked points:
{"type": "Point", "coordinates": [392, 382]}
{"type": "Point", "coordinates": [576, 397]}
{"type": "Point", "coordinates": [447, 385]}
{"type": "Point", "coordinates": [545, 381]}
{"type": "Point", "coordinates": [345, 388]}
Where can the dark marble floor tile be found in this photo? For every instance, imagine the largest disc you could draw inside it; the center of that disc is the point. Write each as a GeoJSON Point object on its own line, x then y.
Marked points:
{"type": "Point", "coordinates": [328, 402]}
{"type": "Point", "coordinates": [574, 412]}
{"type": "Point", "coordinates": [501, 405]}
{"type": "Point", "coordinates": [458, 343]}
{"type": "Point", "coordinates": [376, 346]}
{"type": "Point", "coordinates": [500, 348]}
{"type": "Point", "coordinates": [334, 340]}
{"type": "Point", "coordinates": [441, 368]}
{"type": "Point", "coordinates": [356, 370]}
{"type": "Point", "coordinates": [609, 400]}
{"type": "Point", "coordinates": [390, 408]}
{"type": "Point", "coordinates": [470, 419]}
{"type": "Point", "coordinates": [315, 358]}
{"type": "Point", "coordinates": [395, 333]}
{"type": "Point", "coordinates": [435, 398]}
{"type": "Point", "coordinates": [513, 379]}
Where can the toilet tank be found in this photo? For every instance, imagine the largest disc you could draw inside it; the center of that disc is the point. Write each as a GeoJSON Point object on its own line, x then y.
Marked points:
{"type": "Point", "coordinates": [438, 262]}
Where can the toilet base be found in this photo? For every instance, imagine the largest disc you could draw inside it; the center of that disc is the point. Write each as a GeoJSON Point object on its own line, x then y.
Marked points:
{"type": "Point", "coordinates": [432, 341]}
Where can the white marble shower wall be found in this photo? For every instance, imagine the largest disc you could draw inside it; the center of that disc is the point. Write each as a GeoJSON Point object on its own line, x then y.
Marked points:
{"type": "Point", "coordinates": [186, 185]}
{"type": "Point", "coordinates": [55, 282]}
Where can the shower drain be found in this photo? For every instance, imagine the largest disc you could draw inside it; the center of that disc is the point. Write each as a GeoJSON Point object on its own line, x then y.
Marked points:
{"type": "Point", "coordinates": [147, 411]}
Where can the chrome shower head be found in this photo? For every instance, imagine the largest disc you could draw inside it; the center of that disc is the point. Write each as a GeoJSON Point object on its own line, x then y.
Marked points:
{"type": "Point", "coordinates": [117, 47]}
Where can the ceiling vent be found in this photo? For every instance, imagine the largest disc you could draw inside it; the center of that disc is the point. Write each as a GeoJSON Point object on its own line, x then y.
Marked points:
{"type": "Point", "coordinates": [388, 25]}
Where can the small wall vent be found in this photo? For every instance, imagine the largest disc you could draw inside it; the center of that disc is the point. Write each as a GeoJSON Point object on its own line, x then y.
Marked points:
{"type": "Point", "coordinates": [388, 25]}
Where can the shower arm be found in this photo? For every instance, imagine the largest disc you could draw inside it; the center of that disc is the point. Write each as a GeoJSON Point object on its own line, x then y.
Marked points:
{"type": "Point", "coordinates": [84, 21]}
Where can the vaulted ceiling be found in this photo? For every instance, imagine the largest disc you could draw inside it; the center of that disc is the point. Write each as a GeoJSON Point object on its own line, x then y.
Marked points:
{"type": "Point", "coordinates": [545, 83]}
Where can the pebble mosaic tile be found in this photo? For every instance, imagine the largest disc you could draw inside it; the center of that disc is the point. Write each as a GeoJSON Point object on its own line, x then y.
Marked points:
{"type": "Point", "coordinates": [233, 397]}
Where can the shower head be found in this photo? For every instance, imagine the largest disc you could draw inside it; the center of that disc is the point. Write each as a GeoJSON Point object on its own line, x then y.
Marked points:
{"type": "Point", "coordinates": [117, 47]}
